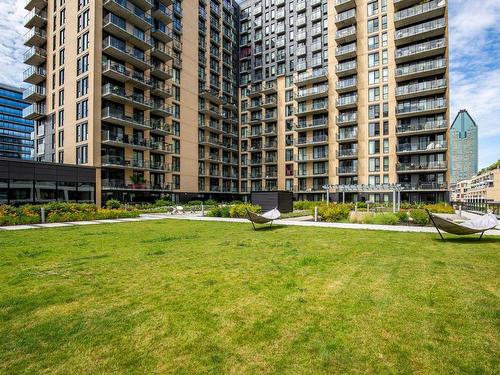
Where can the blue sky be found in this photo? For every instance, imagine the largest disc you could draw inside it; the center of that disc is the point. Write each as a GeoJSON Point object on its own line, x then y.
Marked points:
{"type": "Point", "coordinates": [474, 60]}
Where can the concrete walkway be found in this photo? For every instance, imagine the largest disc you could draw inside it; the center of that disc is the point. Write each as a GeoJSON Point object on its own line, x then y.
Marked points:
{"type": "Point", "coordinates": [197, 217]}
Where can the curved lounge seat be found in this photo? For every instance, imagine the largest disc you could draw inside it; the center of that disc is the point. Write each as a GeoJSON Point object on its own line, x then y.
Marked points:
{"type": "Point", "coordinates": [266, 217]}
{"type": "Point", "coordinates": [477, 225]}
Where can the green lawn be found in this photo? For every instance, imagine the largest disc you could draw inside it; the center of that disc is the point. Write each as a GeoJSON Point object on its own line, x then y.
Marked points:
{"type": "Point", "coordinates": [198, 297]}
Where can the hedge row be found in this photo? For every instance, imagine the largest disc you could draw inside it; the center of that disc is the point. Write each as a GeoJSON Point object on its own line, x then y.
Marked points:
{"type": "Point", "coordinates": [59, 212]}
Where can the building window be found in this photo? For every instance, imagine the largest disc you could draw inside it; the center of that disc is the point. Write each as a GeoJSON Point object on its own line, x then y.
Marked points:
{"type": "Point", "coordinates": [82, 109]}
{"type": "Point", "coordinates": [82, 65]}
{"type": "Point", "coordinates": [82, 132]}
{"type": "Point", "coordinates": [82, 87]}
{"type": "Point", "coordinates": [82, 154]}
{"type": "Point", "coordinates": [83, 42]}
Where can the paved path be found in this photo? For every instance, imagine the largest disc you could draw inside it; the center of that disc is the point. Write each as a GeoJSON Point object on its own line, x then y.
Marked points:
{"type": "Point", "coordinates": [198, 217]}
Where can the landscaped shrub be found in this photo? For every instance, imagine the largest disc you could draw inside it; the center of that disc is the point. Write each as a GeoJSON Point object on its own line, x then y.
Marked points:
{"type": "Point", "coordinates": [218, 211]}
{"type": "Point", "coordinates": [306, 205]}
{"type": "Point", "coordinates": [359, 217]}
{"type": "Point", "coordinates": [402, 216]}
{"type": "Point", "coordinates": [59, 212]}
{"type": "Point", "coordinates": [210, 202]}
{"type": "Point", "coordinates": [419, 217]}
{"type": "Point", "coordinates": [163, 203]}
{"type": "Point", "coordinates": [361, 205]}
{"type": "Point", "coordinates": [113, 203]}
{"type": "Point", "coordinates": [386, 218]}
{"type": "Point", "coordinates": [240, 210]}
{"type": "Point", "coordinates": [333, 212]}
{"type": "Point", "coordinates": [440, 208]}
{"type": "Point", "coordinates": [194, 203]}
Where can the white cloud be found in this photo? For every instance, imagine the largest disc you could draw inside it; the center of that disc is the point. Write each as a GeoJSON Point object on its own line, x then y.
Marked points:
{"type": "Point", "coordinates": [11, 43]}
{"type": "Point", "coordinates": [475, 68]}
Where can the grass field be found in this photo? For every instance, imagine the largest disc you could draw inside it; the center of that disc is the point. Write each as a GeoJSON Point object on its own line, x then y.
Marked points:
{"type": "Point", "coordinates": [197, 297]}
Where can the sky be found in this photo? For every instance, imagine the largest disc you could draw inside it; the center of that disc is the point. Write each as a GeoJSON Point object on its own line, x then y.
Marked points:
{"type": "Point", "coordinates": [474, 62]}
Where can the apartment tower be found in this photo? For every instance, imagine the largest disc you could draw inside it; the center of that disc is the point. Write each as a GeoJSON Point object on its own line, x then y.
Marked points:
{"type": "Point", "coordinates": [212, 99]}
{"type": "Point", "coordinates": [123, 85]}
{"type": "Point", "coordinates": [344, 92]}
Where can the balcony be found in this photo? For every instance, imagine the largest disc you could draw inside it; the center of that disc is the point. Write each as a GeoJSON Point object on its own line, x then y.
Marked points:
{"type": "Point", "coordinates": [35, 111]}
{"type": "Point", "coordinates": [162, 52]}
{"type": "Point", "coordinates": [347, 118]}
{"type": "Point", "coordinates": [300, 6]}
{"type": "Point", "coordinates": [148, 4]}
{"type": "Point", "coordinates": [161, 32]}
{"type": "Point", "coordinates": [347, 170]}
{"type": "Point", "coordinates": [116, 117]}
{"type": "Point", "coordinates": [346, 18]}
{"type": "Point", "coordinates": [132, 13]}
{"type": "Point", "coordinates": [162, 13]}
{"type": "Point", "coordinates": [211, 95]}
{"type": "Point", "coordinates": [347, 137]}
{"type": "Point", "coordinates": [347, 153]}
{"type": "Point", "coordinates": [422, 88]}
{"type": "Point", "coordinates": [421, 31]}
{"type": "Point", "coordinates": [114, 184]}
{"type": "Point", "coordinates": [161, 71]}
{"type": "Point", "coordinates": [271, 116]}
{"type": "Point", "coordinates": [427, 127]}
{"type": "Point", "coordinates": [269, 88]}
{"type": "Point", "coordinates": [124, 140]}
{"type": "Point", "coordinates": [346, 35]}
{"type": "Point", "coordinates": [35, 56]}
{"type": "Point", "coordinates": [123, 30]}
{"type": "Point", "coordinates": [30, 4]}
{"type": "Point", "coordinates": [312, 109]}
{"type": "Point", "coordinates": [159, 108]}
{"type": "Point", "coordinates": [421, 107]}
{"type": "Point", "coordinates": [436, 166]}
{"type": "Point", "coordinates": [117, 49]}
{"type": "Point", "coordinates": [311, 93]}
{"type": "Point", "coordinates": [347, 84]}
{"type": "Point", "coordinates": [35, 37]}
{"type": "Point", "coordinates": [400, 4]}
{"type": "Point", "coordinates": [315, 76]}
{"type": "Point", "coordinates": [270, 145]}
{"type": "Point", "coordinates": [34, 75]}
{"type": "Point", "coordinates": [347, 101]}
{"type": "Point", "coordinates": [419, 13]}
{"type": "Point", "coordinates": [212, 126]}
{"type": "Point", "coordinates": [209, 141]}
{"type": "Point", "coordinates": [211, 111]}
{"type": "Point", "coordinates": [346, 52]}
{"type": "Point", "coordinates": [343, 5]}
{"type": "Point", "coordinates": [320, 123]}
{"type": "Point", "coordinates": [120, 73]}
{"type": "Point", "coordinates": [269, 102]}
{"type": "Point", "coordinates": [421, 148]}
{"type": "Point", "coordinates": [161, 89]}
{"type": "Point", "coordinates": [346, 68]}
{"type": "Point", "coordinates": [35, 18]}
{"type": "Point", "coordinates": [318, 139]}
{"type": "Point", "coordinates": [421, 50]}
{"type": "Point", "coordinates": [119, 95]}
{"type": "Point", "coordinates": [424, 186]}
{"type": "Point", "coordinates": [421, 69]}
{"type": "Point", "coordinates": [34, 93]}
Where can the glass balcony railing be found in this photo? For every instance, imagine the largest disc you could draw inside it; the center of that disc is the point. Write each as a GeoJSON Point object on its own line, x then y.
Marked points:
{"type": "Point", "coordinates": [416, 147]}
{"type": "Point", "coordinates": [420, 28]}
{"type": "Point", "coordinates": [435, 165]}
{"type": "Point", "coordinates": [424, 126]}
{"type": "Point", "coordinates": [420, 105]}
{"type": "Point", "coordinates": [420, 67]}
{"type": "Point", "coordinates": [420, 48]}
{"type": "Point", "coordinates": [414, 88]}
{"type": "Point", "coordinates": [419, 9]}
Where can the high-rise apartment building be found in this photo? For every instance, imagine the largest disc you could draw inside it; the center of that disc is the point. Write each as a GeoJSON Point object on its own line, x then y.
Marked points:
{"type": "Point", "coordinates": [15, 131]}
{"type": "Point", "coordinates": [143, 89]}
{"type": "Point", "coordinates": [344, 92]}
{"type": "Point", "coordinates": [214, 99]}
{"type": "Point", "coordinates": [463, 148]}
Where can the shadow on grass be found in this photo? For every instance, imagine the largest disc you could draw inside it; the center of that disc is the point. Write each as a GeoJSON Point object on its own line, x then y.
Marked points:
{"type": "Point", "coordinates": [469, 240]}
{"type": "Point", "coordinates": [268, 228]}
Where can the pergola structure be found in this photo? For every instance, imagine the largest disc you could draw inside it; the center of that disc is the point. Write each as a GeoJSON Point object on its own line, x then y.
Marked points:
{"type": "Point", "coordinates": [395, 189]}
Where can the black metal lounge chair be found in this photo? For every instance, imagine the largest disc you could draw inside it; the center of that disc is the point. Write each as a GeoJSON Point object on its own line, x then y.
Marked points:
{"type": "Point", "coordinates": [477, 225]}
{"type": "Point", "coordinates": [266, 217]}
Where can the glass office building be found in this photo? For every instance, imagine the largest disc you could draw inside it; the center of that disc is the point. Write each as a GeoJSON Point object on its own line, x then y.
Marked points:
{"type": "Point", "coordinates": [15, 131]}
{"type": "Point", "coordinates": [463, 147]}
